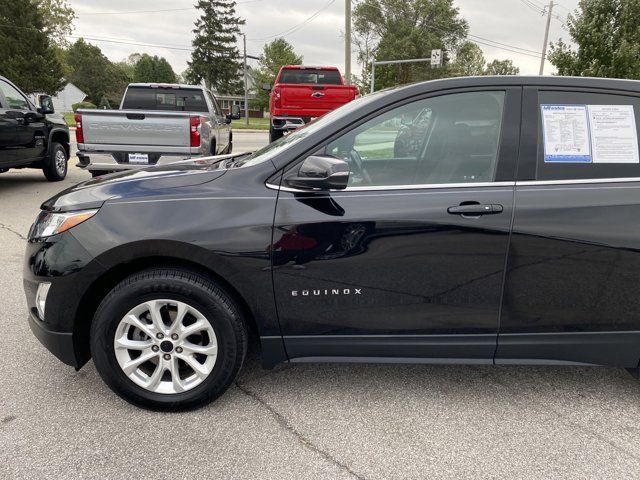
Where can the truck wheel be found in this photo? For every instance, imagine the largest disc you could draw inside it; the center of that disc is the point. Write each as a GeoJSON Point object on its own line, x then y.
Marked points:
{"type": "Point", "coordinates": [275, 134]}
{"type": "Point", "coordinates": [230, 146]}
{"type": "Point", "coordinates": [168, 339]}
{"type": "Point", "coordinates": [55, 167]}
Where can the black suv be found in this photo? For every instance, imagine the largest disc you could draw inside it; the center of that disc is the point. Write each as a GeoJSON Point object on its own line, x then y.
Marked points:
{"type": "Point", "coordinates": [506, 234]}
{"type": "Point", "coordinates": [29, 136]}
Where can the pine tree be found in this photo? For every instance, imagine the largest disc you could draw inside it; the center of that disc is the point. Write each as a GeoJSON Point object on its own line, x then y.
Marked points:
{"type": "Point", "coordinates": [215, 58]}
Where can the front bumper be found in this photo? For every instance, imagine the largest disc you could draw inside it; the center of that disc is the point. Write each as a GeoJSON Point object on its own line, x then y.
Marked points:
{"type": "Point", "coordinates": [64, 263]}
{"type": "Point", "coordinates": [58, 343]}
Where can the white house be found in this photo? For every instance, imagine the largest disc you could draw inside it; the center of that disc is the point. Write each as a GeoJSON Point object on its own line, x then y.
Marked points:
{"type": "Point", "coordinates": [69, 95]}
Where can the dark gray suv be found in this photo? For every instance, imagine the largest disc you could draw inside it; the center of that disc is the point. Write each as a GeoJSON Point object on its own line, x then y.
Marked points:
{"type": "Point", "coordinates": [30, 137]}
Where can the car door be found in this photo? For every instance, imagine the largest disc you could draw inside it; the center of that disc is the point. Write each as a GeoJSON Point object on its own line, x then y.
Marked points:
{"type": "Point", "coordinates": [21, 128]}
{"type": "Point", "coordinates": [573, 268]}
{"type": "Point", "coordinates": [408, 261]}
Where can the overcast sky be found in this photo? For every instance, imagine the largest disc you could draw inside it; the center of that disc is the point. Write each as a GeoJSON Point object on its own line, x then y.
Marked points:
{"type": "Point", "coordinates": [320, 40]}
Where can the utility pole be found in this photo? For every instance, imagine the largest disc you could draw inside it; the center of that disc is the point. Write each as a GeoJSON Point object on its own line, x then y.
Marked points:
{"type": "Point", "coordinates": [246, 91]}
{"type": "Point", "coordinates": [347, 41]}
{"type": "Point", "coordinates": [546, 37]}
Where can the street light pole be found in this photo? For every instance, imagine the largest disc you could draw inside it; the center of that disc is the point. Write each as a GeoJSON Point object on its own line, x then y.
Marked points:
{"type": "Point", "coordinates": [246, 91]}
{"type": "Point", "coordinates": [347, 41]}
{"type": "Point", "coordinates": [546, 39]}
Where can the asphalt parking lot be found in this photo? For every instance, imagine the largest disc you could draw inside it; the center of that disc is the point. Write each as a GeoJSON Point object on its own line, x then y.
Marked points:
{"type": "Point", "coordinates": [301, 421]}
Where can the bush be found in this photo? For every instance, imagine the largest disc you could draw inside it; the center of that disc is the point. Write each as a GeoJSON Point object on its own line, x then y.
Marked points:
{"type": "Point", "coordinates": [78, 105]}
{"type": "Point", "coordinates": [104, 104]}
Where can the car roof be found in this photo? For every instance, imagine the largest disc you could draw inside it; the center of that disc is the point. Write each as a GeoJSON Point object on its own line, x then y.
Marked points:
{"type": "Point", "coordinates": [166, 85]}
{"type": "Point", "coordinates": [517, 80]}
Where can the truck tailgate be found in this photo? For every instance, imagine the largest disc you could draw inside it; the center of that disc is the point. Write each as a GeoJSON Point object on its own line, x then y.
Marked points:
{"type": "Point", "coordinates": [131, 127]}
{"type": "Point", "coordinates": [315, 98]}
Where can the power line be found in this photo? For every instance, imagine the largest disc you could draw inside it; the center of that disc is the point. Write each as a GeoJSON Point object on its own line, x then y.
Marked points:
{"type": "Point", "coordinates": [131, 12]}
{"type": "Point", "coordinates": [295, 27]}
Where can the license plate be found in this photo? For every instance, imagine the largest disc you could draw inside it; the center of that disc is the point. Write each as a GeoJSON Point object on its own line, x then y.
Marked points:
{"type": "Point", "coordinates": [138, 158]}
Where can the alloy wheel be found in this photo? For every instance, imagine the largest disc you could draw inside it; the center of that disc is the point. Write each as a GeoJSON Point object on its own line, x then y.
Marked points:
{"type": "Point", "coordinates": [165, 346]}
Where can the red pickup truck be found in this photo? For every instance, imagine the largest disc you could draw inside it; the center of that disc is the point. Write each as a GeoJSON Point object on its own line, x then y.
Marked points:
{"type": "Point", "coordinates": [302, 93]}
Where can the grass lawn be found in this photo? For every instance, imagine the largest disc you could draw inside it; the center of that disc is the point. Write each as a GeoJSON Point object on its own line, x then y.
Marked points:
{"type": "Point", "coordinates": [68, 117]}
{"type": "Point", "coordinates": [254, 124]}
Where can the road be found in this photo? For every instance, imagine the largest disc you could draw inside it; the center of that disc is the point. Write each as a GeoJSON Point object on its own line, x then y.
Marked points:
{"type": "Point", "coordinates": [302, 421]}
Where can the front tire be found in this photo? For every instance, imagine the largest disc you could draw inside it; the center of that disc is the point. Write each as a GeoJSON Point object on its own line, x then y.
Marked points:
{"type": "Point", "coordinates": [274, 134]}
{"type": "Point", "coordinates": [55, 167]}
{"type": "Point", "coordinates": [168, 339]}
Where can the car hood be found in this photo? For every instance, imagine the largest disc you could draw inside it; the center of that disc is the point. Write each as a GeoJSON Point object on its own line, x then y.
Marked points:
{"type": "Point", "coordinates": [146, 182]}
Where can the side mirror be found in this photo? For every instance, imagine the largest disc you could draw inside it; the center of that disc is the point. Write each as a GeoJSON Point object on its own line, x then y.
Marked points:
{"type": "Point", "coordinates": [266, 87]}
{"type": "Point", "coordinates": [46, 105]}
{"type": "Point", "coordinates": [320, 173]}
{"type": "Point", "coordinates": [235, 113]}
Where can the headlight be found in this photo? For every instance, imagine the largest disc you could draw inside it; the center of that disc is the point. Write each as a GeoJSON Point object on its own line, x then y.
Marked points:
{"type": "Point", "coordinates": [49, 223]}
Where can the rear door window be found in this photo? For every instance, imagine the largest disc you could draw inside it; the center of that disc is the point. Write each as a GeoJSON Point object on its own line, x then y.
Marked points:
{"type": "Point", "coordinates": [167, 99]}
{"type": "Point", "coordinates": [308, 75]}
{"type": "Point", "coordinates": [587, 135]}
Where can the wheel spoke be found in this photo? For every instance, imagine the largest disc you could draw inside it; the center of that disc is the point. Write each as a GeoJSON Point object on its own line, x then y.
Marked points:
{"type": "Point", "coordinates": [128, 344]}
{"type": "Point", "coordinates": [156, 376]}
{"type": "Point", "coordinates": [193, 328]}
{"type": "Point", "coordinates": [131, 365]}
{"type": "Point", "coordinates": [183, 308]}
{"type": "Point", "coordinates": [156, 316]}
{"type": "Point", "coordinates": [202, 349]}
{"type": "Point", "coordinates": [139, 324]}
{"type": "Point", "coordinates": [174, 368]}
{"type": "Point", "coordinates": [200, 370]}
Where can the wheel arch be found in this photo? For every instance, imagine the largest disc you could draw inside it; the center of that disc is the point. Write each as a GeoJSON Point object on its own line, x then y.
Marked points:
{"type": "Point", "coordinates": [101, 286]}
{"type": "Point", "coordinates": [59, 136]}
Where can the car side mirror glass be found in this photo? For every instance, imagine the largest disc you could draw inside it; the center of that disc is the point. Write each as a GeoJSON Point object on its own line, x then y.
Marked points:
{"type": "Point", "coordinates": [320, 173]}
{"type": "Point", "coordinates": [46, 105]}
{"type": "Point", "coordinates": [266, 87]}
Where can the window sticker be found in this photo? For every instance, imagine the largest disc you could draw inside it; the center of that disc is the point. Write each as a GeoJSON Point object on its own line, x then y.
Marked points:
{"type": "Point", "coordinates": [566, 134]}
{"type": "Point", "coordinates": [614, 138]}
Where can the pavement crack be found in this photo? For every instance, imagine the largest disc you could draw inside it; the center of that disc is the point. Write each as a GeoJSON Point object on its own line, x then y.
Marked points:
{"type": "Point", "coordinates": [9, 229]}
{"type": "Point", "coordinates": [286, 424]}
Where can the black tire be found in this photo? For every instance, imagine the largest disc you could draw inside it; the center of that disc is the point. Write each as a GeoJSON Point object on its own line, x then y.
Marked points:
{"type": "Point", "coordinates": [173, 284]}
{"type": "Point", "coordinates": [275, 134]}
{"type": "Point", "coordinates": [54, 169]}
{"type": "Point", "coordinates": [230, 146]}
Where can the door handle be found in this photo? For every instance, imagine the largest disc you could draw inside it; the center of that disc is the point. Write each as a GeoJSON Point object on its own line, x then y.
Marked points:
{"type": "Point", "coordinates": [475, 209]}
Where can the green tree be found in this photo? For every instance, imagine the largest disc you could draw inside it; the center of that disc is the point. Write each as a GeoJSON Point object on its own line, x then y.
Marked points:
{"type": "Point", "coordinates": [215, 57]}
{"type": "Point", "coordinates": [274, 55]}
{"type": "Point", "coordinates": [501, 67]}
{"type": "Point", "coordinates": [404, 29]}
{"type": "Point", "coordinates": [153, 70]}
{"type": "Point", "coordinates": [469, 60]}
{"type": "Point", "coordinates": [58, 20]}
{"type": "Point", "coordinates": [607, 39]}
{"type": "Point", "coordinates": [27, 56]}
{"type": "Point", "coordinates": [94, 73]}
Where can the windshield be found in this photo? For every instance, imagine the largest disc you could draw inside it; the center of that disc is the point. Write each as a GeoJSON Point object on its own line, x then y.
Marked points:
{"type": "Point", "coordinates": [277, 147]}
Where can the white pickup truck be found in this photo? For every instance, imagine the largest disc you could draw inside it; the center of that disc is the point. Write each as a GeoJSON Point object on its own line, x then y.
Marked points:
{"type": "Point", "coordinates": [154, 121]}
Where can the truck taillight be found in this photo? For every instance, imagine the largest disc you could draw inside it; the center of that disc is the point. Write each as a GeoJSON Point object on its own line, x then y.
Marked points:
{"type": "Point", "coordinates": [79, 132]}
{"type": "Point", "coordinates": [195, 126]}
{"type": "Point", "coordinates": [277, 97]}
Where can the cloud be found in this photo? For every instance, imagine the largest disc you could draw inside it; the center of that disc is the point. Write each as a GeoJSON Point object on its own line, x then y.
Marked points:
{"type": "Point", "coordinates": [320, 41]}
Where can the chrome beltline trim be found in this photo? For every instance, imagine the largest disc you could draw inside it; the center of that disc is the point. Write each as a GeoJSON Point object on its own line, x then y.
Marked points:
{"type": "Point", "coordinates": [577, 181]}
{"type": "Point", "coordinates": [525, 183]}
{"type": "Point", "coordinates": [401, 187]}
